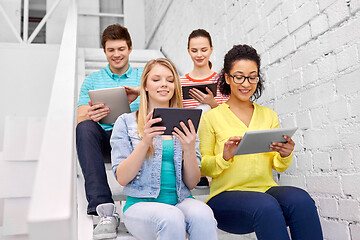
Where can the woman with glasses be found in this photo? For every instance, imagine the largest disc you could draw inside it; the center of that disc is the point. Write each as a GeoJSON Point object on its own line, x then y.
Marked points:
{"type": "Point", "coordinates": [243, 195]}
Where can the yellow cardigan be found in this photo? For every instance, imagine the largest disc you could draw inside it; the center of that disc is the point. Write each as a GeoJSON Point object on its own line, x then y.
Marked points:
{"type": "Point", "coordinates": [252, 172]}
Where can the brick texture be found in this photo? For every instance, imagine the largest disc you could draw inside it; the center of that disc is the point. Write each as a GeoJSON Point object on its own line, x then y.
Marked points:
{"type": "Point", "coordinates": [311, 64]}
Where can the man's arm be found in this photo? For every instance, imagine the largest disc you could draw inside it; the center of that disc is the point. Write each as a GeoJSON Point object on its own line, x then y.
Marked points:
{"type": "Point", "coordinates": [82, 113]}
{"type": "Point", "coordinates": [92, 112]}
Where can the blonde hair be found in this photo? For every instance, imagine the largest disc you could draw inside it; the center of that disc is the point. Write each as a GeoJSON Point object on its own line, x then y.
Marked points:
{"type": "Point", "coordinates": [175, 101]}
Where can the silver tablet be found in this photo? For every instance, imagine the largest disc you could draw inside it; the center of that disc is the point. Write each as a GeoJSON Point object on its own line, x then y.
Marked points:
{"type": "Point", "coordinates": [113, 98]}
{"type": "Point", "coordinates": [259, 141]}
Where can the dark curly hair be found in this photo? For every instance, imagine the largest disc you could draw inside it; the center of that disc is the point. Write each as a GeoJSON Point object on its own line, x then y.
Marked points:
{"type": "Point", "coordinates": [239, 52]}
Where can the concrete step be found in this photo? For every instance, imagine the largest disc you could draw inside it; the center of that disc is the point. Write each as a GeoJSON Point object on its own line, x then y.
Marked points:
{"type": "Point", "coordinates": [23, 138]}
{"type": "Point", "coordinates": [137, 55]}
{"type": "Point", "coordinates": [85, 222]}
{"type": "Point", "coordinates": [17, 178]}
{"type": "Point", "coordinates": [93, 59]}
{"type": "Point", "coordinates": [15, 216]}
{"type": "Point", "coordinates": [96, 66]}
{"type": "Point", "coordinates": [124, 235]}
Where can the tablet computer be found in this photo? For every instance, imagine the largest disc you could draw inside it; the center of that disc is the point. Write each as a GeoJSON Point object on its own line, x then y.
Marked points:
{"type": "Point", "coordinates": [171, 117]}
{"type": "Point", "coordinates": [201, 87]}
{"type": "Point", "coordinates": [259, 141]}
{"type": "Point", "coordinates": [113, 98]}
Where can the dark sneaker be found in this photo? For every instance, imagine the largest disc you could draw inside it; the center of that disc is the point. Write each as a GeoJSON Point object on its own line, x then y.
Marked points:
{"type": "Point", "coordinates": [108, 223]}
{"type": "Point", "coordinates": [203, 183]}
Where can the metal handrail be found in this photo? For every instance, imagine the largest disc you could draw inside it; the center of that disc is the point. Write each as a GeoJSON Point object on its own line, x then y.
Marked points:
{"type": "Point", "coordinates": [52, 212]}
{"type": "Point", "coordinates": [43, 21]}
{"type": "Point", "coordinates": [7, 19]}
{"type": "Point", "coordinates": [25, 38]}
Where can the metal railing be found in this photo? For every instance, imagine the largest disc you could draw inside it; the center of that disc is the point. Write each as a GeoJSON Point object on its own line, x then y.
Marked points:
{"type": "Point", "coordinates": [24, 38]}
{"type": "Point", "coordinates": [52, 213]}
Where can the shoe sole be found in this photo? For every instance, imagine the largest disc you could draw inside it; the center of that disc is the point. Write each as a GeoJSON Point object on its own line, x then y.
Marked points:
{"type": "Point", "coordinates": [105, 236]}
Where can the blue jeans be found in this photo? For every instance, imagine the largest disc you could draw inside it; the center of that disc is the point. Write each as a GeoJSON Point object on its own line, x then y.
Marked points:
{"type": "Point", "coordinates": [152, 220]}
{"type": "Point", "coordinates": [268, 213]}
{"type": "Point", "coordinates": [92, 144]}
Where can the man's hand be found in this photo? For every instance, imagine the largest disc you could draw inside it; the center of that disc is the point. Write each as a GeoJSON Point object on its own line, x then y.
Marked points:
{"type": "Point", "coordinates": [132, 93]}
{"type": "Point", "coordinates": [98, 111]}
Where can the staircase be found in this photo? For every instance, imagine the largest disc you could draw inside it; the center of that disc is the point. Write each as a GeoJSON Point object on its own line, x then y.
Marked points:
{"type": "Point", "coordinates": [18, 162]}
{"type": "Point", "coordinates": [89, 61]}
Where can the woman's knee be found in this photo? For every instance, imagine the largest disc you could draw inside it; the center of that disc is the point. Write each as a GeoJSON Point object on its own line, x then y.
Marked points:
{"type": "Point", "coordinates": [302, 201]}
{"type": "Point", "coordinates": [298, 198]}
{"type": "Point", "coordinates": [202, 214]}
{"type": "Point", "coordinates": [173, 218]}
{"type": "Point", "coordinates": [268, 207]}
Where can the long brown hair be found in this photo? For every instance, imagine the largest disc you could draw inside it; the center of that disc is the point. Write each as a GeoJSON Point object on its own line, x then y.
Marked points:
{"type": "Point", "coordinates": [175, 101]}
{"type": "Point", "coordinates": [200, 33]}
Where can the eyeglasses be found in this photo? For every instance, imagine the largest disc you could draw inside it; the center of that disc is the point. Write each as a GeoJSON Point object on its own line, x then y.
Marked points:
{"type": "Point", "coordinates": [240, 79]}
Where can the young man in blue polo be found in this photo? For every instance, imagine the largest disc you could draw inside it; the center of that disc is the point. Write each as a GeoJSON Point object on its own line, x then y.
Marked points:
{"type": "Point", "coordinates": [93, 138]}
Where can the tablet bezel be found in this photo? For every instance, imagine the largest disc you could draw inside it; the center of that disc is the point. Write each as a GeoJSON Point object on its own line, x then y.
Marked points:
{"type": "Point", "coordinates": [201, 87]}
{"type": "Point", "coordinates": [171, 117]}
{"type": "Point", "coordinates": [114, 98]}
{"type": "Point", "coordinates": [259, 141]}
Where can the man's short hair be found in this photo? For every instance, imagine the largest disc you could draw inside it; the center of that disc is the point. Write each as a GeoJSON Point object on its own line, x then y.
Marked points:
{"type": "Point", "coordinates": [116, 32]}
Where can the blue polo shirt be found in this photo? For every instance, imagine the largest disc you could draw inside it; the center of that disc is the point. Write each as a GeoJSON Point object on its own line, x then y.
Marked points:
{"type": "Point", "coordinates": [104, 78]}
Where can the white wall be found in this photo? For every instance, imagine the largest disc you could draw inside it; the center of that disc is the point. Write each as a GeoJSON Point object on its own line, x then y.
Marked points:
{"type": "Point", "coordinates": [88, 30]}
{"type": "Point", "coordinates": [310, 57]}
{"type": "Point", "coordinates": [13, 10]}
{"type": "Point", "coordinates": [55, 24]}
{"type": "Point", "coordinates": [27, 74]}
{"type": "Point", "coordinates": [135, 22]}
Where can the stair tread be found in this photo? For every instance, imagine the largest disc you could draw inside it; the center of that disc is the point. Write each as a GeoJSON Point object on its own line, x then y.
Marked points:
{"type": "Point", "coordinates": [124, 235]}
{"type": "Point", "coordinates": [94, 54]}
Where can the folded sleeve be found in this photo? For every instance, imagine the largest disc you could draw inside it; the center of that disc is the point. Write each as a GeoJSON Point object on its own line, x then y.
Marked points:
{"type": "Point", "coordinates": [120, 143]}
{"type": "Point", "coordinates": [212, 164]}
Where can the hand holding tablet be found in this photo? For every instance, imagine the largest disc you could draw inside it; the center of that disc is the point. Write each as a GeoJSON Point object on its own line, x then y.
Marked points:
{"type": "Point", "coordinates": [259, 141]}
{"type": "Point", "coordinates": [171, 117]}
{"type": "Point", "coordinates": [200, 87]}
{"type": "Point", "coordinates": [113, 98]}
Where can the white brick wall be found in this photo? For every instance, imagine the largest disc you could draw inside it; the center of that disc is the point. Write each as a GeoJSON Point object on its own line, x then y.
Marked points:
{"type": "Point", "coordinates": [311, 62]}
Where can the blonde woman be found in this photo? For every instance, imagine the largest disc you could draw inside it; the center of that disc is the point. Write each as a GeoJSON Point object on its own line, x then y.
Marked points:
{"type": "Point", "coordinates": [158, 170]}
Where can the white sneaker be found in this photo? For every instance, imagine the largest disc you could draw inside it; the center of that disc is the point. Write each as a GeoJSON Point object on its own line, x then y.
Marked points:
{"type": "Point", "coordinates": [109, 222]}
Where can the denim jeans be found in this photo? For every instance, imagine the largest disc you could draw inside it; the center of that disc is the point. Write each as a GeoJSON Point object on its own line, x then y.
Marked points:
{"type": "Point", "coordinates": [92, 144]}
{"type": "Point", "coordinates": [268, 213]}
{"type": "Point", "coordinates": [152, 220]}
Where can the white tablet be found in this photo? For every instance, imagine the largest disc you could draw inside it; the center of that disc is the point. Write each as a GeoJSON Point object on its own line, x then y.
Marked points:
{"type": "Point", "coordinates": [113, 98]}
{"type": "Point", "coordinates": [259, 141]}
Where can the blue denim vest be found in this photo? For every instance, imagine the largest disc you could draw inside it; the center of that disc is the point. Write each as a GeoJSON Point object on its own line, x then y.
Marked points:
{"type": "Point", "coordinates": [146, 184]}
